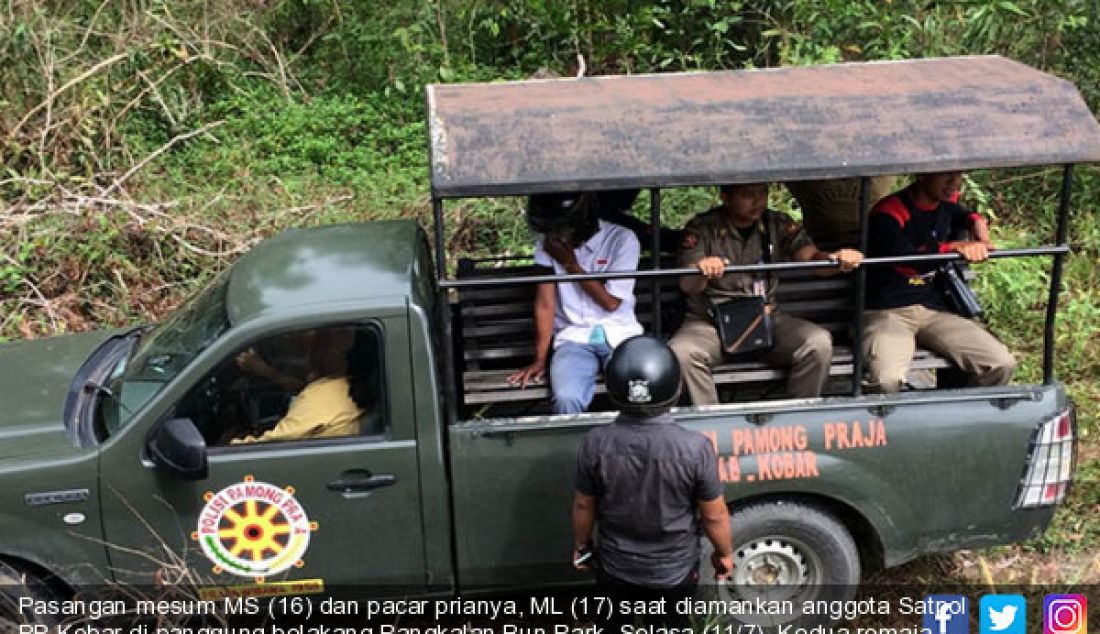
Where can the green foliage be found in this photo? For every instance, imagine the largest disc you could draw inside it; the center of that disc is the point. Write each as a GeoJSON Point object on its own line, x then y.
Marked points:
{"type": "Point", "coordinates": [399, 47]}
{"type": "Point", "coordinates": [613, 36]}
{"type": "Point", "coordinates": [320, 104]}
{"type": "Point", "coordinates": [76, 74]}
{"type": "Point", "coordinates": [343, 141]}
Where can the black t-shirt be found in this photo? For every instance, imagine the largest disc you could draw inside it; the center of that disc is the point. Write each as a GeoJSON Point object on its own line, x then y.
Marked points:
{"type": "Point", "coordinates": [898, 226]}
{"type": "Point", "coordinates": [647, 476]}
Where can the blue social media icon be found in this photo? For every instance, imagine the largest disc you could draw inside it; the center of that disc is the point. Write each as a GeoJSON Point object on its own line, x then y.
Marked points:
{"type": "Point", "coordinates": [946, 614]}
{"type": "Point", "coordinates": [1003, 614]}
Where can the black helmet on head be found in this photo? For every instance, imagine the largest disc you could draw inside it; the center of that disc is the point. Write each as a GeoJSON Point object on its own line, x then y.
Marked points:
{"type": "Point", "coordinates": [550, 212]}
{"type": "Point", "coordinates": [643, 376]}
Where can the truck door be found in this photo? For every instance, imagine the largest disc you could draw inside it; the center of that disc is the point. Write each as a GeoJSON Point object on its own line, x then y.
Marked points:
{"type": "Point", "coordinates": [332, 510]}
{"type": "Point", "coordinates": [513, 495]}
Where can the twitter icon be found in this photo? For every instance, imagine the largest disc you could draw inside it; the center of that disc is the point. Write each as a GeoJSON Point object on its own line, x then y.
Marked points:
{"type": "Point", "coordinates": [1003, 614]}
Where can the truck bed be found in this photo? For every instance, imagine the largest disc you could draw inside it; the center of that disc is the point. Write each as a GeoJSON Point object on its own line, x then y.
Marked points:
{"type": "Point", "coordinates": [912, 473]}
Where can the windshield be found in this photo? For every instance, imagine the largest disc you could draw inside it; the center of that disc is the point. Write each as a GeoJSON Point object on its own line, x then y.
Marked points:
{"type": "Point", "coordinates": [163, 353]}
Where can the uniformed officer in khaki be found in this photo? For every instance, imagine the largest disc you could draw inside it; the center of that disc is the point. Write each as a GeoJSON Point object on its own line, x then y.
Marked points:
{"type": "Point", "coordinates": [733, 234]}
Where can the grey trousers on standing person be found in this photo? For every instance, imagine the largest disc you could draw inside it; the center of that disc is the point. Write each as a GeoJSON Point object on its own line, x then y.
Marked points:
{"type": "Point", "coordinates": [802, 347]}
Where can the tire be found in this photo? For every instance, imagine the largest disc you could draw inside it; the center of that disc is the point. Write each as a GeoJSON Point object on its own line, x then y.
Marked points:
{"type": "Point", "coordinates": [785, 551]}
{"type": "Point", "coordinates": [14, 585]}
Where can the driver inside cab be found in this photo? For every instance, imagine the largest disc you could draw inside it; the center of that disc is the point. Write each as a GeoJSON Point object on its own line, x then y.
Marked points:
{"type": "Point", "coordinates": [329, 405]}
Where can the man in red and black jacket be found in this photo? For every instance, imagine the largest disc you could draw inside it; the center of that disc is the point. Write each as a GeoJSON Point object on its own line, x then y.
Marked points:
{"type": "Point", "coordinates": [904, 307]}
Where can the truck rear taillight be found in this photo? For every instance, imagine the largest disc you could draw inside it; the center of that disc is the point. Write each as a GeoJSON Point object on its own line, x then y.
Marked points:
{"type": "Point", "coordinates": [1050, 462]}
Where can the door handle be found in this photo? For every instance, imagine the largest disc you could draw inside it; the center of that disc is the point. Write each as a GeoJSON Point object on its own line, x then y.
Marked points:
{"type": "Point", "coordinates": [360, 480]}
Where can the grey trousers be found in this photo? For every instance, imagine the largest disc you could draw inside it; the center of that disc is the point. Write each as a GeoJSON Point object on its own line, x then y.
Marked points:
{"type": "Point", "coordinates": [804, 348]}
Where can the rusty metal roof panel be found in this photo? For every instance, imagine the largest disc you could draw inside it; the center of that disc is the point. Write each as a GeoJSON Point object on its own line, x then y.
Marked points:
{"type": "Point", "coordinates": [793, 123]}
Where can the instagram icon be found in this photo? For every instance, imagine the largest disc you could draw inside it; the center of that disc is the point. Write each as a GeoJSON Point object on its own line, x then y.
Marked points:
{"type": "Point", "coordinates": [1065, 614]}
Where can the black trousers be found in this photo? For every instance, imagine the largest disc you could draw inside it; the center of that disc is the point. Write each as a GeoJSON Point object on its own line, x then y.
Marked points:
{"type": "Point", "coordinates": [632, 594]}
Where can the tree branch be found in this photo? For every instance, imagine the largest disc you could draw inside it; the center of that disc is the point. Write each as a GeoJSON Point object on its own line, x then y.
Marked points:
{"type": "Point", "coordinates": [161, 150]}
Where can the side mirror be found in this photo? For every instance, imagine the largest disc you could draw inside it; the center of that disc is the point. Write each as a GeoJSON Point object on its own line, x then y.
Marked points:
{"type": "Point", "coordinates": [178, 447]}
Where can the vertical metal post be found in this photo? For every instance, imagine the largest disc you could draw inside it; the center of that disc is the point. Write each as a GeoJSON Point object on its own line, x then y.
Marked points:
{"type": "Point", "coordinates": [440, 240]}
{"type": "Point", "coordinates": [1061, 235]}
{"type": "Point", "coordinates": [655, 224]}
{"type": "Point", "coordinates": [449, 378]}
{"type": "Point", "coordinates": [861, 290]}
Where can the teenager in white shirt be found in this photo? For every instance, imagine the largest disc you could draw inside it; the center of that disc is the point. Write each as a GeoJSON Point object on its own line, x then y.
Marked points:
{"type": "Point", "coordinates": [582, 321]}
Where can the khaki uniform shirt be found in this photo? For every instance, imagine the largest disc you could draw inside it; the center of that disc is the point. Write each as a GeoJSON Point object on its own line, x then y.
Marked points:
{"type": "Point", "coordinates": [712, 234]}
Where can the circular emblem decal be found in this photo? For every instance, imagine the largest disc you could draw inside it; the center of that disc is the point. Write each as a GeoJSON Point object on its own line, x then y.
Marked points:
{"type": "Point", "coordinates": [638, 391]}
{"type": "Point", "coordinates": [253, 529]}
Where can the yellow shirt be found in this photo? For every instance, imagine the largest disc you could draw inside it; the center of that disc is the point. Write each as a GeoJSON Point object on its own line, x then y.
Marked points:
{"type": "Point", "coordinates": [322, 410]}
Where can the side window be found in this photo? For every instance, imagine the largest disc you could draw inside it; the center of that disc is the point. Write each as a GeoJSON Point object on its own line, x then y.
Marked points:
{"type": "Point", "coordinates": [305, 384]}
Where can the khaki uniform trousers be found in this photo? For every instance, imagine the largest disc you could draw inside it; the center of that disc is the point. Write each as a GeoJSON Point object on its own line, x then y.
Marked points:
{"type": "Point", "coordinates": [891, 335]}
{"type": "Point", "coordinates": [803, 347]}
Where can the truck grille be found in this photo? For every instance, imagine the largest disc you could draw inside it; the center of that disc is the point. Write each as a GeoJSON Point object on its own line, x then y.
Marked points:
{"type": "Point", "coordinates": [1050, 462]}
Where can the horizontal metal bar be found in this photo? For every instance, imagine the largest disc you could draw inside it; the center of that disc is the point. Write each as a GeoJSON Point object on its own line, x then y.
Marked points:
{"type": "Point", "coordinates": [714, 179]}
{"type": "Point", "coordinates": [935, 397]}
{"type": "Point", "coordinates": [499, 258]}
{"type": "Point", "coordinates": [541, 429]}
{"type": "Point", "coordinates": [748, 268]}
{"type": "Point", "coordinates": [945, 257]}
{"type": "Point", "coordinates": [529, 425]}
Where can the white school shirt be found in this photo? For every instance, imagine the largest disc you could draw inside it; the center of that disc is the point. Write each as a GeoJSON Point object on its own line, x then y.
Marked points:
{"type": "Point", "coordinates": [612, 248]}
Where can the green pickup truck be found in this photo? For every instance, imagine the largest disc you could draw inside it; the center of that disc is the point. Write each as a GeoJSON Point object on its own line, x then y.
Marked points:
{"type": "Point", "coordinates": [114, 464]}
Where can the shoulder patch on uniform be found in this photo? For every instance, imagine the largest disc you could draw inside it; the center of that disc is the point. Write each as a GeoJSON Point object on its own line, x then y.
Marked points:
{"type": "Point", "coordinates": [689, 240]}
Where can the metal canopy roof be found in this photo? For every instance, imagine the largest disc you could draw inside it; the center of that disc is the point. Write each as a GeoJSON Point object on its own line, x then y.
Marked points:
{"type": "Point", "coordinates": [794, 123]}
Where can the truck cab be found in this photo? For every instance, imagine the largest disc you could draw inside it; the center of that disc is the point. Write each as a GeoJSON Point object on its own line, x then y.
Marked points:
{"type": "Point", "coordinates": [163, 516]}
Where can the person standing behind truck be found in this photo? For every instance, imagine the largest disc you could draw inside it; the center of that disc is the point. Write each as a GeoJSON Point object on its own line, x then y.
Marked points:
{"type": "Point", "coordinates": [614, 206]}
{"type": "Point", "coordinates": [743, 231]}
{"type": "Point", "coordinates": [583, 320]}
{"type": "Point", "coordinates": [904, 307]}
{"type": "Point", "coordinates": [649, 485]}
{"type": "Point", "coordinates": [830, 208]}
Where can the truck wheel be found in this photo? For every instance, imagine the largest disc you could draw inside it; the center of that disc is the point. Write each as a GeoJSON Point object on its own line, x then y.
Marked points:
{"type": "Point", "coordinates": [16, 584]}
{"type": "Point", "coordinates": [786, 551]}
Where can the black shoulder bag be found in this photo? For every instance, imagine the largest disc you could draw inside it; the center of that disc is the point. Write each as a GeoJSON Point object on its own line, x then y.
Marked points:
{"type": "Point", "coordinates": [743, 323]}
{"type": "Point", "coordinates": [956, 293]}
